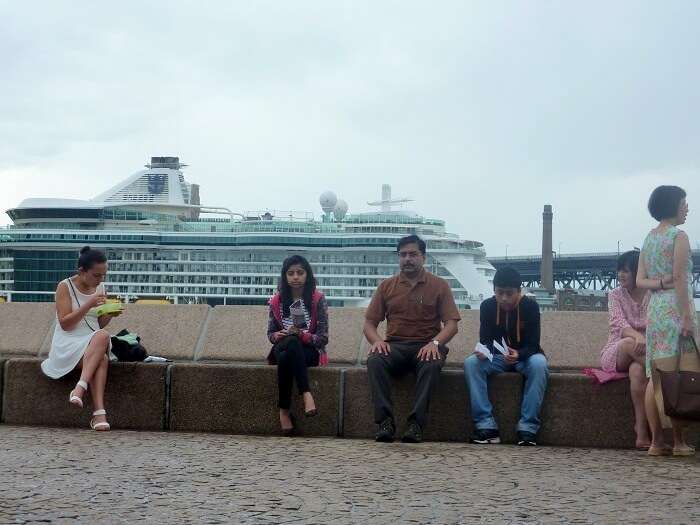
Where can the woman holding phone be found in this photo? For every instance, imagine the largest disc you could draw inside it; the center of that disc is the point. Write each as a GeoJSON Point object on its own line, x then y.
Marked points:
{"type": "Point", "coordinates": [79, 339]}
{"type": "Point", "coordinates": [297, 327]}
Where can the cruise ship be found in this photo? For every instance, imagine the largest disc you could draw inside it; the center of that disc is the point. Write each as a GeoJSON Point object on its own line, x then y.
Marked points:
{"type": "Point", "coordinates": [161, 242]}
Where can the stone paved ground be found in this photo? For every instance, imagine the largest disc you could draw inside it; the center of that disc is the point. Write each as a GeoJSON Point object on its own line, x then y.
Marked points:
{"type": "Point", "coordinates": [62, 475]}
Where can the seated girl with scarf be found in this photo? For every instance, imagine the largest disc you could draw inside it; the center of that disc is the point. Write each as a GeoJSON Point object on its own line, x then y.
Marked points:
{"type": "Point", "coordinates": [298, 329]}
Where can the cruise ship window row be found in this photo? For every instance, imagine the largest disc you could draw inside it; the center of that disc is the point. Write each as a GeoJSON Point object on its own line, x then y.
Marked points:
{"type": "Point", "coordinates": [235, 257]}
{"type": "Point", "coordinates": [225, 279]}
{"type": "Point", "coordinates": [234, 270]}
{"type": "Point", "coordinates": [198, 240]}
{"type": "Point", "coordinates": [232, 290]}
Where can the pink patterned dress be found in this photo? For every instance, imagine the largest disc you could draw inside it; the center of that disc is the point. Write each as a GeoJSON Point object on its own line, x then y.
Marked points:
{"type": "Point", "coordinates": [624, 312]}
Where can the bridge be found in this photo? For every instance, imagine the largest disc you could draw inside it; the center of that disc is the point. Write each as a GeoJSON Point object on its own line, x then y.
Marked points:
{"type": "Point", "coordinates": [582, 271]}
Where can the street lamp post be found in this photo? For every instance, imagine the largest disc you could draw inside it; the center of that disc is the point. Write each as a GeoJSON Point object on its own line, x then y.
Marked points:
{"type": "Point", "coordinates": [506, 252]}
{"type": "Point", "coordinates": [618, 248]}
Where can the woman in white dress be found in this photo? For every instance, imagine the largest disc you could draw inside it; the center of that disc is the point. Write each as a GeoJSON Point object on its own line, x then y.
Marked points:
{"type": "Point", "coordinates": [79, 339]}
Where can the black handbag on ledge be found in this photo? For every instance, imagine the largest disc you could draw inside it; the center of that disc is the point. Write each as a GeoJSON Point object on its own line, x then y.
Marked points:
{"type": "Point", "coordinates": [128, 349]}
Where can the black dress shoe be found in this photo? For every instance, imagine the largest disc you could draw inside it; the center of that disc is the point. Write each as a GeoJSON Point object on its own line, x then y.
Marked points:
{"type": "Point", "coordinates": [311, 413]}
{"type": "Point", "coordinates": [386, 431]}
{"type": "Point", "coordinates": [413, 433]}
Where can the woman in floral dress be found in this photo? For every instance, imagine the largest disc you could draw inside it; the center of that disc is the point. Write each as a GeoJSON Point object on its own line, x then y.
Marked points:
{"type": "Point", "coordinates": [665, 267]}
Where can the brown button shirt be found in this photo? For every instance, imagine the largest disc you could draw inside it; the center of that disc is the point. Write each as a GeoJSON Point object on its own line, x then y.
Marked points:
{"type": "Point", "coordinates": [413, 312]}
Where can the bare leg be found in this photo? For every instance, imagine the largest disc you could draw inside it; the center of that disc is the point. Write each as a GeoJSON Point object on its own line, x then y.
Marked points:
{"type": "Point", "coordinates": [678, 426]}
{"type": "Point", "coordinates": [626, 355]}
{"type": "Point", "coordinates": [638, 385]}
{"type": "Point", "coordinates": [92, 358]}
{"type": "Point", "coordinates": [97, 388]}
{"type": "Point", "coordinates": [309, 403]}
{"type": "Point", "coordinates": [657, 432]}
{"type": "Point", "coordinates": [285, 419]}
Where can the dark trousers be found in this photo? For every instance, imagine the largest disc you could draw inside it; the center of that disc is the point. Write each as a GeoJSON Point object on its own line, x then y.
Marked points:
{"type": "Point", "coordinates": [293, 357]}
{"type": "Point", "coordinates": [402, 359]}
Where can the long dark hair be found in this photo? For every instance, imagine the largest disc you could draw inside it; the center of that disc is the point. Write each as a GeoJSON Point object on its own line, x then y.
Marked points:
{"type": "Point", "coordinates": [286, 291]}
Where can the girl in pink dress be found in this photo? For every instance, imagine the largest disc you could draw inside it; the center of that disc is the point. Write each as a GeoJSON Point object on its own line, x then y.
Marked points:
{"type": "Point", "coordinates": [625, 350]}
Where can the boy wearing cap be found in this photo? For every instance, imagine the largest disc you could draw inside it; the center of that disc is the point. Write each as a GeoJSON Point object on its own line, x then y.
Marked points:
{"type": "Point", "coordinates": [512, 318]}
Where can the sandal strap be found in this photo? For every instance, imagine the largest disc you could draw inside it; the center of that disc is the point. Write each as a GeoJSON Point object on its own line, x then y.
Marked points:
{"type": "Point", "coordinates": [100, 412]}
{"type": "Point", "coordinates": [82, 384]}
{"type": "Point", "coordinates": [95, 426]}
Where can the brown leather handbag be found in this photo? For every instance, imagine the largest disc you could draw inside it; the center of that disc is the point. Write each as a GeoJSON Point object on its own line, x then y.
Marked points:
{"type": "Point", "coordinates": [681, 390]}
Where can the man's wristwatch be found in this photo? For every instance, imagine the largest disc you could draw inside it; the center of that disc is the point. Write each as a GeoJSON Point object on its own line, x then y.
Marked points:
{"type": "Point", "coordinates": [436, 343]}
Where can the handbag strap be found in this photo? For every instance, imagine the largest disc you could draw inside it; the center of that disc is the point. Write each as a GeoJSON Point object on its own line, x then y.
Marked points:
{"type": "Point", "coordinates": [70, 283]}
{"type": "Point", "coordinates": [695, 347]}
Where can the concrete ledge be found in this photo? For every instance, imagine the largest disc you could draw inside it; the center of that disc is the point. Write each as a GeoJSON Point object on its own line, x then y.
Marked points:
{"type": "Point", "coordinates": [576, 412]}
{"type": "Point", "coordinates": [135, 396]}
{"type": "Point", "coordinates": [2, 376]}
{"type": "Point", "coordinates": [166, 330]}
{"type": "Point", "coordinates": [580, 413]}
{"type": "Point", "coordinates": [574, 339]}
{"type": "Point", "coordinates": [236, 333]}
{"type": "Point", "coordinates": [464, 342]}
{"type": "Point", "coordinates": [243, 400]}
{"type": "Point", "coordinates": [24, 326]}
{"type": "Point", "coordinates": [345, 334]}
{"type": "Point", "coordinates": [450, 418]}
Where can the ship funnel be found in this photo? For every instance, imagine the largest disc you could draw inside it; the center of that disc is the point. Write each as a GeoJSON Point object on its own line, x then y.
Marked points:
{"type": "Point", "coordinates": [172, 163]}
{"type": "Point", "coordinates": [386, 195]}
{"type": "Point", "coordinates": [194, 195]}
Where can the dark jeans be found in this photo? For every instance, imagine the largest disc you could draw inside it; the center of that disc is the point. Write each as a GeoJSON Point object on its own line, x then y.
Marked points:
{"type": "Point", "coordinates": [402, 359]}
{"type": "Point", "coordinates": [293, 357]}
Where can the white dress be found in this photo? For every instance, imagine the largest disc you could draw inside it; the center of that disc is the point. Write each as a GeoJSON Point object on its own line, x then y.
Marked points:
{"type": "Point", "coordinates": [68, 346]}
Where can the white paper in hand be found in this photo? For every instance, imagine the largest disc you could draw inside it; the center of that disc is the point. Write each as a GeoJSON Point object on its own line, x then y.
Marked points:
{"type": "Point", "coordinates": [484, 350]}
{"type": "Point", "coordinates": [501, 347]}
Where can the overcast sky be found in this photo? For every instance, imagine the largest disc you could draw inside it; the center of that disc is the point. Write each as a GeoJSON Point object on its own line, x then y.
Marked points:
{"type": "Point", "coordinates": [480, 111]}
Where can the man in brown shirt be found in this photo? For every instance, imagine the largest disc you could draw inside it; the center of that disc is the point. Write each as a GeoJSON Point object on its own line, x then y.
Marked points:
{"type": "Point", "coordinates": [421, 319]}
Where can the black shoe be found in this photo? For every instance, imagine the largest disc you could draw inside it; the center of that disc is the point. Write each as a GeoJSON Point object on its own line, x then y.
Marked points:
{"type": "Point", "coordinates": [386, 431]}
{"type": "Point", "coordinates": [486, 436]}
{"type": "Point", "coordinates": [413, 433]}
{"type": "Point", "coordinates": [527, 439]}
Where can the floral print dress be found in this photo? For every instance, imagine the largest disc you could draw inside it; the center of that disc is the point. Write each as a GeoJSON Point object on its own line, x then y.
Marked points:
{"type": "Point", "coordinates": [664, 313]}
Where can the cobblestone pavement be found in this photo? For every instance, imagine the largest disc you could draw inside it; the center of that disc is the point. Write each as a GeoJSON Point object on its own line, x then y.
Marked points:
{"type": "Point", "coordinates": [64, 475]}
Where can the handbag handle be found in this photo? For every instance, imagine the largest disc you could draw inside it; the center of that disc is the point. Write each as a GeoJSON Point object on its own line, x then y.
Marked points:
{"type": "Point", "coordinates": [678, 359]}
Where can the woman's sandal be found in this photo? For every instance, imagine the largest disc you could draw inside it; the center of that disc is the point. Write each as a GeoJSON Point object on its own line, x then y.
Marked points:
{"type": "Point", "coordinates": [75, 400]}
{"type": "Point", "coordinates": [659, 451]}
{"type": "Point", "coordinates": [103, 425]}
{"type": "Point", "coordinates": [683, 451]}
